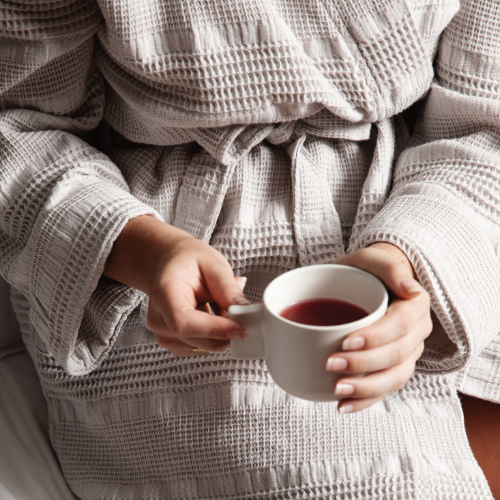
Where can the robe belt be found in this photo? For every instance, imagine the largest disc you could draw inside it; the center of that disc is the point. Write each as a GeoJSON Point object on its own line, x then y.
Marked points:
{"type": "Point", "coordinates": [316, 223]}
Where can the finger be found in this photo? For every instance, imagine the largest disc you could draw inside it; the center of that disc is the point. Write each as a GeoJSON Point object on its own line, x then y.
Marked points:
{"type": "Point", "coordinates": [241, 281]}
{"type": "Point", "coordinates": [393, 273]}
{"type": "Point", "coordinates": [400, 319]}
{"type": "Point", "coordinates": [177, 348]}
{"type": "Point", "coordinates": [379, 383]}
{"type": "Point", "coordinates": [165, 338]}
{"type": "Point", "coordinates": [196, 324]}
{"type": "Point", "coordinates": [209, 345]}
{"type": "Point", "coordinates": [354, 405]}
{"type": "Point", "coordinates": [178, 315]}
{"type": "Point", "coordinates": [221, 283]}
{"type": "Point", "coordinates": [191, 347]}
{"type": "Point", "coordinates": [185, 322]}
{"type": "Point", "coordinates": [157, 324]}
{"type": "Point", "coordinates": [184, 349]}
{"type": "Point", "coordinates": [379, 358]}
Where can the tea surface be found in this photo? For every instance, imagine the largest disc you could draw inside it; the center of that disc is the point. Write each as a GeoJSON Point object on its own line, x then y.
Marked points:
{"type": "Point", "coordinates": [323, 312]}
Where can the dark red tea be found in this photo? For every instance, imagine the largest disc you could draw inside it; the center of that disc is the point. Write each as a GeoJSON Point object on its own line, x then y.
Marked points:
{"type": "Point", "coordinates": [323, 312]}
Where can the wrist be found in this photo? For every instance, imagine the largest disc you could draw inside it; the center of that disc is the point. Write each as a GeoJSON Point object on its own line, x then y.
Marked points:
{"type": "Point", "coordinates": [142, 243]}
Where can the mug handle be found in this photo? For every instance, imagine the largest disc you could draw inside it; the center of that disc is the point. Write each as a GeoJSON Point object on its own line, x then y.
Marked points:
{"type": "Point", "coordinates": [251, 318]}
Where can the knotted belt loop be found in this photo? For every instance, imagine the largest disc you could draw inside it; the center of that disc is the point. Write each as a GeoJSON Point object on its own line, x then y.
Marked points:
{"type": "Point", "coordinates": [318, 233]}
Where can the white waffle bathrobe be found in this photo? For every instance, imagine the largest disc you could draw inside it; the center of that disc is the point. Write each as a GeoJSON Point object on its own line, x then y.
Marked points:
{"type": "Point", "coordinates": [271, 129]}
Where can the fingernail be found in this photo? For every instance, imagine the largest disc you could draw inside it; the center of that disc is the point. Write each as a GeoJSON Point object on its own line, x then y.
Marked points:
{"type": "Point", "coordinates": [346, 409]}
{"type": "Point", "coordinates": [201, 352]}
{"type": "Point", "coordinates": [344, 389]}
{"type": "Point", "coordinates": [241, 301]}
{"type": "Point", "coordinates": [353, 343]}
{"type": "Point", "coordinates": [336, 364]}
{"type": "Point", "coordinates": [235, 335]}
{"type": "Point", "coordinates": [243, 282]}
{"type": "Point", "coordinates": [411, 286]}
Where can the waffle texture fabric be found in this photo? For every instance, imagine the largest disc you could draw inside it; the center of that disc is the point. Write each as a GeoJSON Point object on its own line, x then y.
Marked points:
{"type": "Point", "coordinates": [271, 129]}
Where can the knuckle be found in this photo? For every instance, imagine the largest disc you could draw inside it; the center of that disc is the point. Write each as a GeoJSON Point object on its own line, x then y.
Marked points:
{"type": "Point", "coordinates": [153, 323]}
{"type": "Point", "coordinates": [367, 390]}
{"type": "Point", "coordinates": [380, 337]}
{"type": "Point", "coordinates": [374, 339]}
{"type": "Point", "coordinates": [428, 326]}
{"type": "Point", "coordinates": [399, 384]}
{"type": "Point", "coordinates": [362, 389]}
{"type": "Point", "coordinates": [403, 377]}
{"type": "Point", "coordinates": [406, 323]}
{"type": "Point", "coordinates": [211, 330]}
{"type": "Point", "coordinates": [359, 365]}
{"type": "Point", "coordinates": [163, 342]}
{"type": "Point", "coordinates": [178, 326]}
{"type": "Point", "coordinates": [399, 354]}
{"type": "Point", "coordinates": [156, 290]}
{"type": "Point", "coordinates": [370, 392]}
{"type": "Point", "coordinates": [420, 349]}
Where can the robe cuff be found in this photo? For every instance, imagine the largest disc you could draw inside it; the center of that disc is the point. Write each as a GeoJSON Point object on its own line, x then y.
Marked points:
{"type": "Point", "coordinates": [77, 312]}
{"type": "Point", "coordinates": [452, 249]}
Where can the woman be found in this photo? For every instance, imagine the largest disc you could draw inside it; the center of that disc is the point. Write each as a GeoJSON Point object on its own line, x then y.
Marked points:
{"type": "Point", "coordinates": [247, 139]}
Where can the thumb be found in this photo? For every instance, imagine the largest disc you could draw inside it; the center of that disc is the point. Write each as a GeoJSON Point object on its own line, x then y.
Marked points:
{"type": "Point", "coordinates": [396, 271]}
{"type": "Point", "coordinates": [388, 263]}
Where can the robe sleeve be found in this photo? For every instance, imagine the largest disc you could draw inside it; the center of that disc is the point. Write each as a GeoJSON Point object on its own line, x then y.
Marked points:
{"type": "Point", "coordinates": [62, 202]}
{"type": "Point", "coordinates": [444, 206]}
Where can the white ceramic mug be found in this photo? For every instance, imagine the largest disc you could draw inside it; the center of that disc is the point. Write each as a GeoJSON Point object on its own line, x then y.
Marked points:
{"type": "Point", "coordinates": [296, 354]}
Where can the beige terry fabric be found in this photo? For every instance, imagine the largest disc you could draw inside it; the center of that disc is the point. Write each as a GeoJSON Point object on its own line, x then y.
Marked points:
{"type": "Point", "coordinates": [272, 130]}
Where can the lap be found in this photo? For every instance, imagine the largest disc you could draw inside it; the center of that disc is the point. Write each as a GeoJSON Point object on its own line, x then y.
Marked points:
{"type": "Point", "coordinates": [24, 436]}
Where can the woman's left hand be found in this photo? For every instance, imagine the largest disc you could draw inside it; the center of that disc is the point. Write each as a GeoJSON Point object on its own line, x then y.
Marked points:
{"type": "Point", "coordinates": [388, 349]}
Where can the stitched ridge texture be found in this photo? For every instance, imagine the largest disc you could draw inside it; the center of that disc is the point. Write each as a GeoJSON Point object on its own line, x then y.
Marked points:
{"type": "Point", "coordinates": [269, 129]}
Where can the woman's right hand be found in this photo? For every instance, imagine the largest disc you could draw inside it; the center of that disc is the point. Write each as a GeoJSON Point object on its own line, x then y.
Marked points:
{"type": "Point", "coordinates": [180, 274]}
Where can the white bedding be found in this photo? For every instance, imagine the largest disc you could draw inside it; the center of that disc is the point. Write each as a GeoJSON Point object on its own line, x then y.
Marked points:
{"type": "Point", "coordinates": [29, 469]}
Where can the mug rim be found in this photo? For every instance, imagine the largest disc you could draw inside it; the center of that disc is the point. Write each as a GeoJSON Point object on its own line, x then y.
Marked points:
{"type": "Point", "coordinates": [383, 303]}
